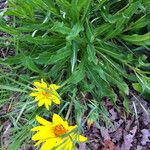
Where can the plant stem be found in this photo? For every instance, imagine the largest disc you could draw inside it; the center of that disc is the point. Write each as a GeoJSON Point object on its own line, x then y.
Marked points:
{"type": "Point", "coordinates": [69, 110]}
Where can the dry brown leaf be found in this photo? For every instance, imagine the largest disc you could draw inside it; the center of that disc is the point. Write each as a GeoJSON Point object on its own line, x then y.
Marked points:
{"type": "Point", "coordinates": [90, 122]}
{"type": "Point", "coordinates": [128, 139]}
{"type": "Point", "coordinates": [145, 137]}
{"type": "Point", "coordinates": [104, 133]}
{"type": "Point", "coordinates": [82, 146]}
{"type": "Point", "coordinates": [117, 136]}
{"type": "Point", "coordinates": [113, 114]}
{"type": "Point", "coordinates": [109, 145]}
{"type": "Point", "coordinates": [139, 147]}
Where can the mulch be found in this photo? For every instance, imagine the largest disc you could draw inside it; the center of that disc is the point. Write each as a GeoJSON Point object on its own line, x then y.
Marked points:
{"type": "Point", "coordinates": [125, 131]}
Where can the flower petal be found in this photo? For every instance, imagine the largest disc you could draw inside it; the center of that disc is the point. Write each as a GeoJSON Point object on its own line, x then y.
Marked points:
{"type": "Point", "coordinates": [82, 138]}
{"type": "Point", "coordinates": [42, 121]}
{"type": "Point", "coordinates": [58, 120]}
{"type": "Point", "coordinates": [41, 135]}
{"type": "Point", "coordinates": [37, 128]}
{"type": "Point", "coordinates": [54, 86]}
{"type": "Point", "coordinates": [37, 98]}
{"type": "Point", "coordinates": [70, 128]}
{"type": "Point", "coordinates": [40, 85]}
{"type": "Point", "coordinates": [55, 99]}
{"type": "Point", "coordinates": [34, 94]}
{"type": "Point", "coordinates": [50, 144]}
{"type": "Point", "coordinates": [44, 84]}
{"type": "Point", "coordinates": [39, 142]}
{"type": "Point", "coordinates": [65, 144]}
{"type": "Point", "coordinates": [41, 102]}
{"type": "Point", "coordinates": [47, 105]}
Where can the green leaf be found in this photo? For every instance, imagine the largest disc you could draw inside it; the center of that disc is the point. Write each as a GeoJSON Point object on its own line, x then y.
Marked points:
{"type": "Point", "coordinates": [61, 28]}
{"type": "Point", "coordinates": [126, 103]}
{"type": "Point", "coordinates": [52, 58]}
{"type": "Point", "coordinates": [28, 63]}
{"type": "Point", "coordinates": [137, 39]}
{"type": "Point", "coordinates": [41, 40]}
{"type": "Point", "coordinates": [10, 88]}
{"type": "Point", "coordinates": [103, 87]}
{"type": "Point", "coordinates": [78, 74]}
{"type": "Point", "coordinates": [11, 60]}
{"type": "Point", "coordinates": [140, 23]}
{"type": "Point", "coordinates": [86, 10]}
{"type": "Point", "coordinates": [89, 32]}
{"type": "Point", "coordinates": [137, 87]}
{"type": "Point", "coordinates": [77, 28]}
{"type": "Point", "coordinates": [74, 55]}
{"type": "Point", "coordinates": [91, 53]}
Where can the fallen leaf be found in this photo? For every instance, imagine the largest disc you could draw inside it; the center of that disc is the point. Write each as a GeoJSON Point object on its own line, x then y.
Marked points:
{"type": "Point", "coordinates": [90, 122]}
{"type": "Point", "coordinates": [128, 139]}
{"type": "Point", "coordinates": [113, 114]}
{"type": "Point", "coordinates": [104, 133]}
{"type": "Point", "coordinates": [117, 136]}
{"type": "Point", "coordinates": [108, 145]}
{"type": "Point", "coordinates": [117, 147]}
{"type": "Point", "coordinates": [145, 137]}
{"type": "Point", "coordinates": [82, 146]}
{"type": "Point", "coordinates": [139, 147]}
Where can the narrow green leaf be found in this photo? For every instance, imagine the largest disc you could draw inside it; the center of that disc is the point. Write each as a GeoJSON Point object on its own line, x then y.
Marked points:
{"type": "Point", "coordinates": [77, 75]}
{"type": "Point", "coordinates": [28, 63]}
{"type": "Point", "coordinates": [137, 39]}
{"type": "Point", "coordinates": [91, 53]}
{"type": "Point", "coordinates": [10, 88]}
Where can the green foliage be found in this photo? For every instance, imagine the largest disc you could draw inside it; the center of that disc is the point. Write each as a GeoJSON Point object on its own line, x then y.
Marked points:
{"type": "Point", "coordinates": [93, 44]}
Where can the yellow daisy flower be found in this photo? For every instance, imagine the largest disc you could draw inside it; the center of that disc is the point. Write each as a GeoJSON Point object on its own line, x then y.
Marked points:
{"type": "Point", "coordinates": [45, 95]}
{"type": "Point", "coordinates": [56, 135]}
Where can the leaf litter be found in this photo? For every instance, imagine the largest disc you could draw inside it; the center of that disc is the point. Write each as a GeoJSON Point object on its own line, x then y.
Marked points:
{"type": "Point", "coordinates": [127, 131]}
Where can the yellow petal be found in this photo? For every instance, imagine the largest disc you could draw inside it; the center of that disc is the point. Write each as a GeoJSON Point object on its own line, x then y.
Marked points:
{"type": "Point", "coordinates": [47, 106]}
{"type": "Point", "coordinates": [82, 138]}
{"type": "Point", "coordinates": [70, 128]}
{"type": "Point", "coordinates": [34, 94]}
{"type": "Point", "coordinates": [70, 145]}
{"type": "Point", "coordinates": [44, 84]}
{"type": "Point", "coordinates": [37, 84]}
{"type": "Point", "coordinates": [39, 142]}
{"type": "Point", "coordinates": [55, 99]}
{"type": "Point", "coordinates": [37, 128]}
{"type": "Point", "coordinates": [54, 86]}
{"type": "Point", "coordinates": [60, 144]}
{"type": "Point", "coordinates": [37, 98]}
{"type": "Point", "coordinates": [48, 101]}
{"type": "Point", "coordinates": [41, 102]}
{"type": "Point", "coordinates": [46, 132]}
{"type": "Point", "coordinates": [41, 135]}
{"type": "Point", "coordinates": [58, 120]}
{"type": "Point", "coordinates": [50, 144]}
{"type": "Point", "coordinates": [40, 85]}
{"type": "Point", "coordinates": [42, 121]}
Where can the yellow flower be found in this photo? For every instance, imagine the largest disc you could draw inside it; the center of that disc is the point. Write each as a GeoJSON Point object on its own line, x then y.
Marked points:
{"type": "Point", "coordinates": [45, 95]}
{"type": "Point", "coordinates": [56, 135]}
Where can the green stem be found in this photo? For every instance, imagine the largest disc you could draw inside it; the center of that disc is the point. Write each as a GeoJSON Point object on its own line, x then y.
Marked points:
{"type": "Point", "coordinates": [69, 110]}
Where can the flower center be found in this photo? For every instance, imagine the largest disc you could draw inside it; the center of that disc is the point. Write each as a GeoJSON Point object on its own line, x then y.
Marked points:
{"type": "Point", "coordinates": [59, 130]}
{"type": "Point", "coordinates": [46, 93]}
